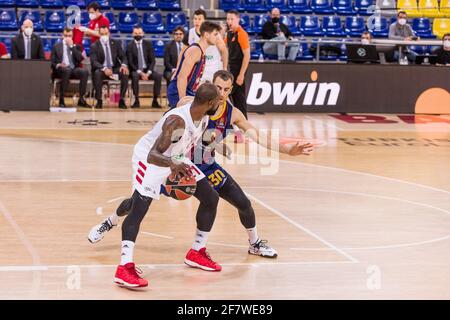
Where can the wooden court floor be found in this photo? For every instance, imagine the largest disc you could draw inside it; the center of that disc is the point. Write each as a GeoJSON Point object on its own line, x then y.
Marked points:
{"type": "Point", "coordinates": [367, 216]}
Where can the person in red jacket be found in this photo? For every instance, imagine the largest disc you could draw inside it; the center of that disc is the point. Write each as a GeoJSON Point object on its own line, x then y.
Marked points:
{"type": "Point", "coordinates": [3, 51]}
{"type": "Point", "coordinates": [97, 20]}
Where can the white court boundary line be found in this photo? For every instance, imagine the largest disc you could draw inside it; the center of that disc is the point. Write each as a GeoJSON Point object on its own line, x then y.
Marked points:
{"type": "Point", "coordinates": [411, 244]}
{"type": "Point", "coordinates": [165, 265]}
{"type": "Point", "coordinates": [156, 235]}
{"type": "Point", "coordinates": [265, 158]}
{"type": "Point", "coordinates": [394, 246]}
{"type": "Point", "coordinates": [304, 229]}
{"type": "Point", "coordinates": [20, 234]}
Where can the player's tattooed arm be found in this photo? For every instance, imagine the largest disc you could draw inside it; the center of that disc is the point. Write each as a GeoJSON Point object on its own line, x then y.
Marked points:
{"type": "Point", "coordinates": [264, 137]}
{"type": "Point", "coordinates": [172, 131]}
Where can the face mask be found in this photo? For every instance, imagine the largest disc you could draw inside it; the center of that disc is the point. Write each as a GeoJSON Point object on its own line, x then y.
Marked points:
{"type": "Point", "coordinates": [92, 16]}
{"type": "Point", "coordinates": [104, 39]}
{"type": "Point", "coordinates": [402, 21]}
{"type": "Point", "coordinates": [275, 20]}
{"type": "Point", "coordinates": [138, 38]}
{"type": "Point", "coordinates": [365, 41]}
{"type": "Point", "coordinates": [28, 31]}
{"type": "Point", "coordinates": [447, 43]}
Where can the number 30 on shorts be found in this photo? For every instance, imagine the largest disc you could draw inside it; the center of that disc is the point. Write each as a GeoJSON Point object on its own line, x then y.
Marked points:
{"type": "Point", "coordinates": [216, 177]}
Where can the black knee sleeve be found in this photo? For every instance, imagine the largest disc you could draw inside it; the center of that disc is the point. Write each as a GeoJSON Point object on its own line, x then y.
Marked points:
{"type": "Point", "coordinates": [124, 207]}
{"type": "Point", "coordinates": [131, 224]}
{"type": "Point", "coordinates": [207, 209]}
{"type": "Point", "coordinates": [233, 194]}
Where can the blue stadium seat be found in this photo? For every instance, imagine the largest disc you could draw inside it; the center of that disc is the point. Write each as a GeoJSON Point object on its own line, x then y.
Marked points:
{"type": "Point", "coordinates": [422, 27]}
{"type": "Point", "coordinates": [362, 5]}
{"type": "Point", "coordinates": [46, 44]}
{"type": "Point", "coordinates": [146, 5]}
{"type": "Point", "coordinates": [8, 20]}
{"type": "Point", "coordinates": [104, 4]}
{"type": "Point", "coordinates": [27, 3]}
{"type": "Point", "coordinates": [343, 7]}
{"type": "Point", "coordinates": [300, 6]}
{"type": "Point", "coordinates": [158, 46]}
{"type": "Point", "coordinates": [87, 45]}
{"type": "Point", "coordinates": [127, 20]}
{"type": "Point", "coordinates": [169, 5]}
{"type": "Point", "coordinates": [51, 4]}
{"type": "Point", "coordinates": [280, 4]}
{"type": "Point", "coordinates": [291, 24]}
{"type": "Point", "coordinates": [255, 48]}
{"type": "Point", "coordinates": [259, 21]}
{"type": "Point", "coordinates": [246, 23]}
{"type": "Point", "coordinates": [121, 4]}
{"type": "Point", "coordinates": [321, 6]}
{"type": "Point", "coordinates": [7, 3]}
{"type": "Point", "coordinates": [255, 6]}
{"type": "Point", "coordinates": [309, 26]}
{"type": "Point", "coordinates": [33, 15]}
{"type": "Point", "coordinates": [420, 49]}
{"type": "Point", "coordinates": [176, 19]}
{"type": "Point", "coordinates": [54, 21]}
{"type": "Point", "coordinates": [84, 18]}
{"type": "Point", "coordinates": [380, 28]}
{"type": "Point", "coordinates": [227, 5]}
{"type": "Point", "coordinates": [79, 3]}
{"type": "Point", "coordinates": [112, 22]}
{"type": "Point", "coordinates": [153, 23]}
{"type": "Point", "coordinates": [354, 26]}
{"type": "Point", "coordinates": [304, 54]}
{"type": "Point", "coordinates": [332, 26]}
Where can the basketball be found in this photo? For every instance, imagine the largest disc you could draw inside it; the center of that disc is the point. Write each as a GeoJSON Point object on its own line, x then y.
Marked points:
{"type": "Point", "coordinates": [180, 189]}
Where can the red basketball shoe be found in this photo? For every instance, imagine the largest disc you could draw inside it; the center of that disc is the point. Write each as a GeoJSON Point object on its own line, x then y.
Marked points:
{"type": "Point", "coordinates": [128, 276]}
{"type": "Point", "coordinates": [201, 259]}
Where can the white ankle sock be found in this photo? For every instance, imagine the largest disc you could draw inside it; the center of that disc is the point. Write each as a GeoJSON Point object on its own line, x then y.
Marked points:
{"type": "Point", "coordinates": [252, 235]}
{"type": "Point", "coordinates": [114, 218]}
{"type": "Point", "coordinates": [201, 237]}
{"type": "Point", "coordinates": [127, 252]}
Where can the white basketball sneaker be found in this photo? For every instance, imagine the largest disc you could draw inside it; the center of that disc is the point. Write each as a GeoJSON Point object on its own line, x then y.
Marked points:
{"type": "Point", "coordinates": [260, 248]}
{"type": "Point", "coordinates": [98, 232]}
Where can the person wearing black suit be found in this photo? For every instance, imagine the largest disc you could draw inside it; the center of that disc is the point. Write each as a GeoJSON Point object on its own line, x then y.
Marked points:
{"type": "Point", "coordinates": [66, 60]}
{"type": "Point", "coordinates": [172, 51]}
{"type": "Point", "coordinates": [141, 62]}
{"type": "Point", "coordinates": [108, 59]}
{"type": "Point", "coordinates": [27, 45]}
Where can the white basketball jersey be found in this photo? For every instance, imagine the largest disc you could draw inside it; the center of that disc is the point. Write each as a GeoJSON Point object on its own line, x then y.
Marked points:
{"type": "Point", "coordinates": [213, 57]}
{"type": "Point", "coordinates": [191, 135]}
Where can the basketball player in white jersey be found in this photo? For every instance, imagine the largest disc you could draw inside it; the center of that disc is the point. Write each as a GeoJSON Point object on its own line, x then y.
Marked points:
{"type": "Point", "coordinates": [162, 151]}
{"type": "Point", "coordinates": [216, 56]}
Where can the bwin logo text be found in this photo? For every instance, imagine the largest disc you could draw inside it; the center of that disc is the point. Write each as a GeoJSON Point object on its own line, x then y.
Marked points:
{"type": "Point", "coordinates": [315, 93]}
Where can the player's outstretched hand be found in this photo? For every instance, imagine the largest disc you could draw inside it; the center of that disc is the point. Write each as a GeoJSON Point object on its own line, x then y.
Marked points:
{"type": "Point", "coordinates": [181, 170]}
{"type": "Point", "coordinates": [299, 149]}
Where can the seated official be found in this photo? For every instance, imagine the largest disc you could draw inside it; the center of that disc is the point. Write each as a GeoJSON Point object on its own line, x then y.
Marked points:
{"type": "Point", "coordinates": [401, 30]}
{"type": "Point", "coordinates": [66, 64]}
{"type": "Point", "coordinates": [443, 54]}
{"type": "Point", "coordinates": [274, 29]}
{"type": "Point", "coordinates": [3, 51]}
{"type": "Point", "coordinates": [107, 60]}
{"type": "Point", "coordinates": [366, 38]}
{"type": "Point", "coordinates": [141, 62]}
{"type": "Point", "coordinates": [172, 51]}
{"type": "Point", "coordinates": [27, 45]}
